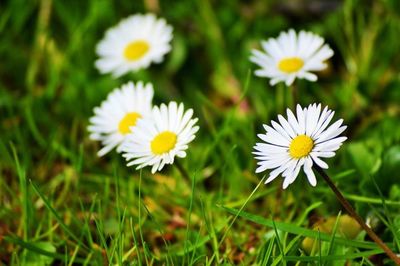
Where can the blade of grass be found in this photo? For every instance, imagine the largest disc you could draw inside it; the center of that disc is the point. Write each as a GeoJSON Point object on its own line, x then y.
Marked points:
{"type": "Point", "coordinates": [370, 200]}
{"type": "Point", "coordinates": [192, 259]}
{"type": "Point", "coordinates": [100, 232]}
{"type": "Point", "coordinates": [269, 251]}
{"type": "Point", "coordinates": [389, 222]}
{"type": "Point", "coordinates": [140, 218]}
{"type": "Point", "coordinates": [24, 193]}
{"type": "Point", "coordinates": [258, 195]}
{"type": "Point", "coordinates": [74, 254]}
{"type": "Point", "coordinates": [288, 247]}
{"type": "Point", "coordinates": [189, 214]}
{"type": "Point", "coordinates": [57, 216]}
{"type": "Point", "coordinates": [343, 174]}
{"type": "Point", "coordinates": [294, 229]}
{"type": "Point", "coordinates": [307, 211]}
{"type": "Point", "coordinates": [158, 226]}
{"type": "Point", "coordinates": [331, 242]}
{"type": "Point", "coordinates": [135, 241]}
{"type": "Point", "coordinates": [86, 226]}
{"type": "Point", "coordinates": [355, 255]}
{"type": "Point", "coordinates": [119, 244]}
{"type": "Point", "coordinates": [319, 248]}
{"type": "Point", "coordinates": [280, 248]}
{"type": "Point", "coordinates": [31, 247]}
{"type": "Point", "coordinates": [241, 208]}
{"type": "Point", "coordinates": [211, 233]}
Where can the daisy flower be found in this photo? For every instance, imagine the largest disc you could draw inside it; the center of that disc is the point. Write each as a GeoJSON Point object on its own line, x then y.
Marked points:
{"type": "Point", "coordinates": [119, 113]}
{"type": "Point", "coordinates": [298, 142]}
{"type": "Point", "coordinates": [291, 56]}
{"type": "Point", "coordinates": [156, 142]}
{"type": "Point", "coordinates": [133, 44]}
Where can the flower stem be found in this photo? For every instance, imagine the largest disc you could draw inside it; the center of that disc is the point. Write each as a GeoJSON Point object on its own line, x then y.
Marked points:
{"type": "Point", "coordinates": [353, 213]}
{"type": "Point", "coordinates": [291, 96]}
{"type": "Point", "coordinates": [182, 170]}
{"type": "Point", "coordinates": [280, 97]}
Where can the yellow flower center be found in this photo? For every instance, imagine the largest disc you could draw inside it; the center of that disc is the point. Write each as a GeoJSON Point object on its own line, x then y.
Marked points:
{"type": "Point", "coordinates": [128, 121]}
{"type": "Point", "coordinates": [301, 146]}
{"type": "Point", "coordinates": [163, 142]}
{"type": "Point", "coordinates": [136, 50]}
{"type": "Point", "coordinates": [290, 64]}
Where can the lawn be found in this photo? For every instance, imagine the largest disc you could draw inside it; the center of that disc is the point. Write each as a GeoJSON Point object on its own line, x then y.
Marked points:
{"type": "Point", "coordinates": [62, 204]}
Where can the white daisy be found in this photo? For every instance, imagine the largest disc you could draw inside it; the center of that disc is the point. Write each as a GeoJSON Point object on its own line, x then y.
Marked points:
{"type": "Point", "coordinates": [119, 113]}
{"type": "Point", "coordinates": [156, 142]}
{"type": "Point", "coordinates": [133, 44]}
{"type": "Point", "coordinates": [291, 56]}
{"type": "Point", "coordinates": [299, 142]}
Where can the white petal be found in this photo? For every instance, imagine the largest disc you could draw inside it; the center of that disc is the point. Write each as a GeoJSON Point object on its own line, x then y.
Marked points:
{"type": "Point", "coordinates": [331, 131]}
{"type": "Point", "coordinates": [285, 124]}
{"type": "Point", "coordinates": [293, 122]}
{"type": "Point", "coordinates": [323, 154]}
{"type": "Point", "coordinates": [276, 172]}
{"type": "Point", "coordinates": [319, 162]}
{"type": "Point", "coordinates": [309, 172]}
{"type": "Point", "coordinates": [330, 145]}
{"type": "Point", "coordinates": [301, 118]}
{"type": "Point", "coordinates": [312, 118]}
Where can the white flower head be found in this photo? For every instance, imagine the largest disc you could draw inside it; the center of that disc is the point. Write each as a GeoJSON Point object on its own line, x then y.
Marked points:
{"type": "Point", "coordinates": [119, 113]}
{"type": "Point", "coordinates": [291, 56]}
{"type": "Point", "coordinates": [156, 142]}
{"type": "Point", "coordinates": [133, 44]}
{"type": "Point", "coordinates": [298, 142]}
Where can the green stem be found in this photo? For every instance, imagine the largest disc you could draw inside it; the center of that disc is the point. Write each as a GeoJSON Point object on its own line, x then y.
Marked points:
{"type": "Point", "coordinates": [182, 170]}
{"type": "Point", "coordinates": [295, 96]}
{"type": "Point", "coordinates": [241, 209]}
{"type": "Point", "coordinates": [280, 97]}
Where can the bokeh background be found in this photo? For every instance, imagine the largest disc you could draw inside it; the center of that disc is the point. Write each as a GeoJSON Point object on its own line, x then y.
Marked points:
{"type": "Point", "coordinates": [61, 204]}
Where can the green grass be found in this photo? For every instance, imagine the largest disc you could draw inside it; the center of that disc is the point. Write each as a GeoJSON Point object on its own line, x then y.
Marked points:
{"type": "Point", "coordinates": [62, 205]}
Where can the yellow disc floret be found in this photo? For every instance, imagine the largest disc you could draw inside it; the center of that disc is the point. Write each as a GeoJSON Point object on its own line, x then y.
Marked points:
{"type": "Point", "coordinates": [128, 121]}
{"type": "Point", "coordinates": [291, 64]}
{"type": "Point", "coordinates": [301, 146]}
{"type": "Point", "coordinates": [136, 50]}
{"type": "Point", "coordinates": [163, 142]}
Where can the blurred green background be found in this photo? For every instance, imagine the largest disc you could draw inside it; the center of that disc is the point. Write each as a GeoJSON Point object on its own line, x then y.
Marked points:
{"type": "Point", "coordinates": [61, 204]}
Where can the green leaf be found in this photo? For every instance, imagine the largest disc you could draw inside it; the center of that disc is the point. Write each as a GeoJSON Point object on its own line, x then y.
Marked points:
{"type": "Point", "coordinates": [362, 157]}
{"type": "Point", "coordinates": [390, 168]}
{"type": "Point", "coordinates": [33, 258]}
